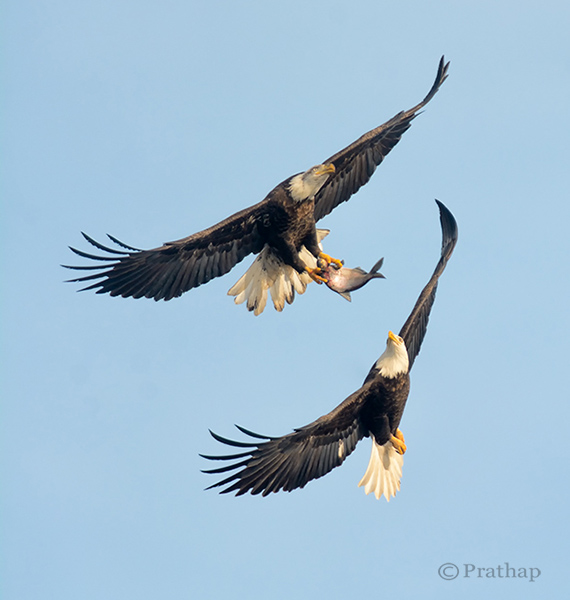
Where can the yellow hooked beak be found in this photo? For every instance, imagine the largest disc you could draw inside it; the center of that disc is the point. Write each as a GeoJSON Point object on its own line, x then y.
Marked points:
{"type": "Point", "coordinates": [395, 338]}
{"type": "Point", "coordinates": [326, 169]}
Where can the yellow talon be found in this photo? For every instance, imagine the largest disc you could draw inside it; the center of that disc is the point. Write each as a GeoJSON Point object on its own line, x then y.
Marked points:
{"type": "Point", "coordinates": [315, 275]}
{"type": "Point", "coordinates": [339, 264]}
{"type": "Point", "coordinates": [398, 442]}
{"type": "Point", "coordinates": [399, 434]}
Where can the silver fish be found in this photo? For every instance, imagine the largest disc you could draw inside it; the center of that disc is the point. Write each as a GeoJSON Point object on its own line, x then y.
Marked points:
{"type": "Point", "coordinates": [343, 280]}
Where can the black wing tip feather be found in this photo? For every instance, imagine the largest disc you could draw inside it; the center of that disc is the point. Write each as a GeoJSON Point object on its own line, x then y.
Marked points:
{"type": "Point", "coordinates": [105, 264]}
{"type": "Point", "coordinates": [442, 70]}
{"type": "Point", "coordinates": [167, 272]}
{"type": "Point", "coordinates": [284, 463]}
{"type": "Point", "coordinates": [104, 248]}
{"type": "Point", "coordinates": [441, 76]}
{"type": "Point", "coordinates": [414, 329]}
{"type": "Point", "coordinates": [118, 254]}
{"type": "Point", "coordinates": [407, 116]}
{"type": "Point", "coordinates": [234, 486]}
{"type": "Point", "coordinates": [245, 477]}
{"type": "Point", "coordinates": [111, 281]}
{"type": "Point", "coordinates": [450, 231]}
{"type": "Point", "coordinates": [253, 434]}
{"type": "Point", "coordinates": [234, 443]}
{"type": "Point", "coordinates": [357, 162]}
{"type": "Point", "coordinates": [123, 245]}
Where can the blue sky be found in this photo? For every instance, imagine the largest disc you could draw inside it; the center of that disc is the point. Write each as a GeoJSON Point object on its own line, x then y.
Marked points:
{"type": "Point", "coordinates": [151, 121]}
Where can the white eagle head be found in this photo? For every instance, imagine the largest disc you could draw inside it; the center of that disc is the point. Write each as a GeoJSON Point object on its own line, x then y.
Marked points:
{"type": "Point", "coordinates": [394, 360]}
{"type": "Point", "coordinates": [305, 185]}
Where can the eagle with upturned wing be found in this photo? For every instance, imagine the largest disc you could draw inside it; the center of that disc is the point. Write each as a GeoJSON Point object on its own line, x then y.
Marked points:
{"type": "Point", "coordinates": [281, 229]}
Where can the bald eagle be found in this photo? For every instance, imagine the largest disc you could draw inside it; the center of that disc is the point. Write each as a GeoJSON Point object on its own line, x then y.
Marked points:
{"type": "Point", "coordinates": [271, 464]}
{"type": "Point", "coordinates": [281, 229]}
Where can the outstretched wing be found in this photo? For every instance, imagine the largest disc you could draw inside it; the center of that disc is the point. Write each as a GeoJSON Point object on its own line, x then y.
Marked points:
{"type": "Point", "coordinates": [169, 271]}
{"type": "Point", "coordinates": [415, 327]}
{"type": "Point", "coordinates": [290, 462]}
{"type": "Point", "coordinates": [356, 163]}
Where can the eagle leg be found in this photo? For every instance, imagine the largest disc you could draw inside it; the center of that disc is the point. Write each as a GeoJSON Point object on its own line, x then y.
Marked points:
{"type": "Point", "coordinates": [315, 275]}
{"type": "Point", "coordinates": [330, 260]}
{"type": "Point", "coordinates": [398, 442]}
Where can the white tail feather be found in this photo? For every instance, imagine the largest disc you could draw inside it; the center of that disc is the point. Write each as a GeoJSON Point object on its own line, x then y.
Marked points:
{"type": "Point", "coordinates": [269, 273]}
{"type": "Point", "coordinates": [384, 471]}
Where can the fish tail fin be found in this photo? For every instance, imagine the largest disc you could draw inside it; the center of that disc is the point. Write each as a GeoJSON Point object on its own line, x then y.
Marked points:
{"type": "Point", "coordinates": [374, 270]}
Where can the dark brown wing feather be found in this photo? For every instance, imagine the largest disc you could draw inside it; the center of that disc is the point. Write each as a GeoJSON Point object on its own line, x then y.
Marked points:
{"type": "Point", "coordinates": [357, 162]}
{"type": "Point", "coordinates": [169, 271]}
{"type": "Point", "coordinates": [290, 462]}
{"type": "Point", "coordinates": [414, 329]}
